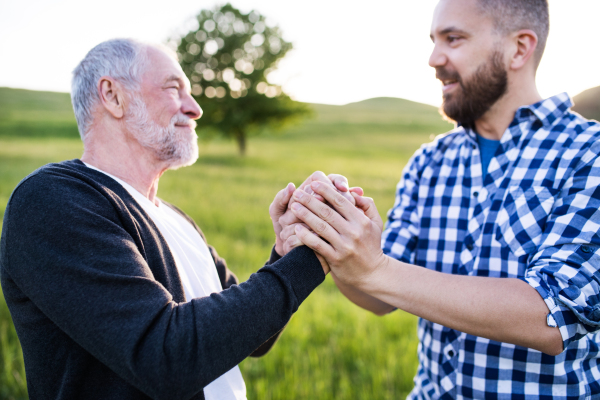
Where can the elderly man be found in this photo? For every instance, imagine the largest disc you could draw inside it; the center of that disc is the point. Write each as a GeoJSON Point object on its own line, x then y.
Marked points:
{"type": "Point", "coordinates": [113, 292]}
{"type": "Point", "coordinates": [494, 237]}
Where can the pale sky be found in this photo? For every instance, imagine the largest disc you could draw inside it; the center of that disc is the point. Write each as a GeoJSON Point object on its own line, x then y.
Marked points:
{"type": "Point", "coordinates": [344, 51]}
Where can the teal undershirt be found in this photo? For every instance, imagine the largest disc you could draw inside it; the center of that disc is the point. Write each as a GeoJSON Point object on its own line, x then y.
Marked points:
{"type": "Point", "coordinates": [488, 148]}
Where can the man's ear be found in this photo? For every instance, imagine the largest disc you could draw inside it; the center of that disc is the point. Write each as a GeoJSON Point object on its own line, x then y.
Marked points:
{"type": "Point", "coordinates": [526, 42]}
{"type": "Point", "coordinates": [111, 96]}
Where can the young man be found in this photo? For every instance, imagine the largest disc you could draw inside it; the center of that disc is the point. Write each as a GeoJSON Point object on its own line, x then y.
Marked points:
{"type": "Point", "coordinates": [114, 293]}
{"type": "Point", "coordinates": [493, 239]}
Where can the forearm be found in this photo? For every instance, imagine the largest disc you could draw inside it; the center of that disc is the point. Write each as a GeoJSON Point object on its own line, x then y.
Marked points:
{"type": "Point", "coordinates": [361, 298]}
{"type": "Point", "coordinates": [266, 346]}
{"type": "Point", "coordinates": [505, 310]}
{"type": "Point", "coordinates": [213, 334]}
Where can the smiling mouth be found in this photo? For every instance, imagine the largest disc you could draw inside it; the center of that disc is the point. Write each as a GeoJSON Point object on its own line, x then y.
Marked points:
{"type": "Point", "coordinates": [448, 85]}
{"type": "Point", "coordinates": [191, 125]}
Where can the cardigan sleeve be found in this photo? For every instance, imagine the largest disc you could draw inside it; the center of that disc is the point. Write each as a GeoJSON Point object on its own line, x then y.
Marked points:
{"type": "Point", "coordinates": [65, 247]}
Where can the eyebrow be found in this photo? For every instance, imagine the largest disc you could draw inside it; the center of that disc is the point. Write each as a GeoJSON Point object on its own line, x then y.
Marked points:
{"type": "Point", "coordinates": [450, 29]}
{"type": "Point", "coordinates": [174, 78]}
{"type": "Point", "coordinates": [181, 80]}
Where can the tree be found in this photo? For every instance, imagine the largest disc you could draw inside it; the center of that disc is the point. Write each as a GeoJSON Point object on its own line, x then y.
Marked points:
{"type": "Point", "coordinates": [228, 60]}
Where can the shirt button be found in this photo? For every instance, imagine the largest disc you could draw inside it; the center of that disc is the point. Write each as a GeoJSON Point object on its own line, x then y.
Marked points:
{"type": "Point", "coordinates": [586, 249]}
{"type": "Point", "coordinates": [475, 194]}
{"type": "Point", "coordinates": [470, 246]}
{"type": "Point", "coordinates": [451, 353]}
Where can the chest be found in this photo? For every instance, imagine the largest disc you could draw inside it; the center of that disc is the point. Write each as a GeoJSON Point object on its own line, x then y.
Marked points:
{"type": "Point", "coordinates": [194, 263]}
{"type": "Point", "coordinates": [487, 226]}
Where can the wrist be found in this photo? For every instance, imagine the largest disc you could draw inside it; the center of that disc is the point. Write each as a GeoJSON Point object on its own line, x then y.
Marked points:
{"type": "Point", "coordinates": [370, 281]}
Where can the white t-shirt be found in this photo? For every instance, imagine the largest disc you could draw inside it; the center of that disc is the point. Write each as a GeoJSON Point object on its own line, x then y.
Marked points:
{"type": "Point", "coordinates": [198, 275]}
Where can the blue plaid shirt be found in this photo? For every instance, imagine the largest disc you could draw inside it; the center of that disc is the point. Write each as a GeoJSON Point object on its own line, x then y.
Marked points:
{"type": "Point", "coordinates": [535, 217]}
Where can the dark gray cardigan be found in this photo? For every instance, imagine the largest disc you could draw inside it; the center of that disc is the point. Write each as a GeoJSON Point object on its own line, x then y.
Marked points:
{"type": "Point", "coordinates": [98, 304]}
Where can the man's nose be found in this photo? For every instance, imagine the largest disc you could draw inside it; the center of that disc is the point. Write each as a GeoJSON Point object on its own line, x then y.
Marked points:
{"type": "Point", "coordinates": [190, 107]}
{"type": "Point", "coordinates": [437, 57]}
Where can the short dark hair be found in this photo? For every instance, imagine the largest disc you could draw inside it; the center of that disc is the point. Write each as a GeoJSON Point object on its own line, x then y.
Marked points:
{"type": "Point", "coordinates": [513, 15]}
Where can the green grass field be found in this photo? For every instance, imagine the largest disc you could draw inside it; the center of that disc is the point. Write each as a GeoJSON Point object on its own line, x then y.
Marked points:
{"type": "Point", "coordinates": [331, 349]}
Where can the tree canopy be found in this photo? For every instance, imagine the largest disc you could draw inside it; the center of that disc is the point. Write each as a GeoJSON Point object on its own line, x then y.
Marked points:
{"type": "Point", "coordinates": [228, 60]}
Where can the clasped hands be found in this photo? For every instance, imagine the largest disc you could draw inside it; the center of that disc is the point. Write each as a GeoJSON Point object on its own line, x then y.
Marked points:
{"type": "Point", "coordinates": [341, 225]}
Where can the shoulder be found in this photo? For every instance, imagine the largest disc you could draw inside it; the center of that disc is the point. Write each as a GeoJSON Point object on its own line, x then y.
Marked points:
{"type": "Point", "coordinates": [577, 137]}
{"type": "Point", "coordinates": [62, 189]}
{"type": "Point", "coordinates": [64, 176]}
{"type": "Point", "coordinates": [62, 179]}
{"type": "Point", "coordinates": [581, 129]}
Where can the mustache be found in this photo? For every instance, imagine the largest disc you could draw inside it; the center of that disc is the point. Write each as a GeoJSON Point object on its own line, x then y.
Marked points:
{"type": "Point", "coordinates": [443, 74]}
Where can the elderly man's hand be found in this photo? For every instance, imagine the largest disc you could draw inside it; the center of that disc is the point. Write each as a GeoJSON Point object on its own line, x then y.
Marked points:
{"type": "Point", "coordinates": [278, 207]}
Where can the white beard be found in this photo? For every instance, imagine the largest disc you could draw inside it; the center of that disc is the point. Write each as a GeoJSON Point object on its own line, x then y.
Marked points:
{"type": "Point", "coordinates": [179, 150]}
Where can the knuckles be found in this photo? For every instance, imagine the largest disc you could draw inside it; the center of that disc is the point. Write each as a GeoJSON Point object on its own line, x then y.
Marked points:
{"type": "Point", "coordinates": [365, 223]}
{"type": "Point", "coordinates": [320, 227]}
{"type": "Point", "coordinates": [354, 235]}
{"type": "Point", "coordinates": [338, 199]}
{"type": "Point", "coordinates": [326, 213]}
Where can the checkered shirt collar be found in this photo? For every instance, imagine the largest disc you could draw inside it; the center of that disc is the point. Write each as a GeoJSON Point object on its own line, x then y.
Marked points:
{"type": "Point", "coordinates": [546, 111]}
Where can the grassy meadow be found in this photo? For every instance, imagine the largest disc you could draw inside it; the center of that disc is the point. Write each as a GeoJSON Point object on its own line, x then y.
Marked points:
{"type": "Point", "coordinates": [331, 349]}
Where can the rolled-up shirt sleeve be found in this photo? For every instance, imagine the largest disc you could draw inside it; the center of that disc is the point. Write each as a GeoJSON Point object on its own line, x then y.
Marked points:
{"type": "Point", "coordinates": [565, 270]}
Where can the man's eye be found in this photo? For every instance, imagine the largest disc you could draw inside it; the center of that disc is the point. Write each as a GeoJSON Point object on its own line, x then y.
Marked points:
{"type": "Point", "coordinates": [453, 39]}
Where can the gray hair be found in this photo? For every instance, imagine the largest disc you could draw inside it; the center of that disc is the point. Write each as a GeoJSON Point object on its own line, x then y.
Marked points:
{"type": "Point", "coordinates": [513, 15]}
{"type": "Point", "coordinates": [121, 59]}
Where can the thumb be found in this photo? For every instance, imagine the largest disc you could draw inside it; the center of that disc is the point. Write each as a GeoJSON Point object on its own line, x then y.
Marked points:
{"type": "Point", "coordinates": [286, 195]}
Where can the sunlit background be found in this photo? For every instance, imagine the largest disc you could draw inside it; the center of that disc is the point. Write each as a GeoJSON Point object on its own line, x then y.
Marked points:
{"type": "Point", "coordinates": [343, 51]}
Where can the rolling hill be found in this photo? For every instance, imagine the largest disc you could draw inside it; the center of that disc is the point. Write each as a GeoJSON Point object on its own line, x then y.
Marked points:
{"type": "Point", "coordinates": [587, 103]}
{"type": "Point", "coordinates": [28, 113]}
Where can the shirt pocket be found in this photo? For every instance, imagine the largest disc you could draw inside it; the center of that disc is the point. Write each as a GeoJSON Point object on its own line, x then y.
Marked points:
{"type": "Point", "coordinates": [522, 218]}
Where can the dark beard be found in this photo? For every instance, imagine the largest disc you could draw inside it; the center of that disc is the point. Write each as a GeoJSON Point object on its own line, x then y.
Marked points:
{"type": "Point", "coordinates": [478, 93]}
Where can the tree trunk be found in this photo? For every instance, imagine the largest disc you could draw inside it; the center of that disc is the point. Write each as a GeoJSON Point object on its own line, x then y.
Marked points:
{"type": "Point", "coordinates": [241, 140]}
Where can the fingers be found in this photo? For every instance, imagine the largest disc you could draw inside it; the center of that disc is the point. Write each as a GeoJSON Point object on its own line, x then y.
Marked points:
{"type": "Point", "coordinates": [358, 190]}
{"type": "Point", "coordinates": [317, 224]}
{"type": "Point", "coordinates": [288, 218]}
{"type": "Point", "coordinates": [318, 216]}
{"type": "Point", "coordinates": [288, 231]}
{"type": "Point", "coordinates": [339, 181]}
{"type": "Point", "coordinates": [335, 180]}
{"type": "Point", "coordinates": [334, 198]}
{"type": "Point", "coordinates": [313, 241]}
{"type": "Point", "coordinates": [291, 243]}
{"type": "Point", "coordinates": [309, 190]}
{"type": "Point", "coordinates": [368, 206]}
{"type": "Point", "coordinates": [315, 176]}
